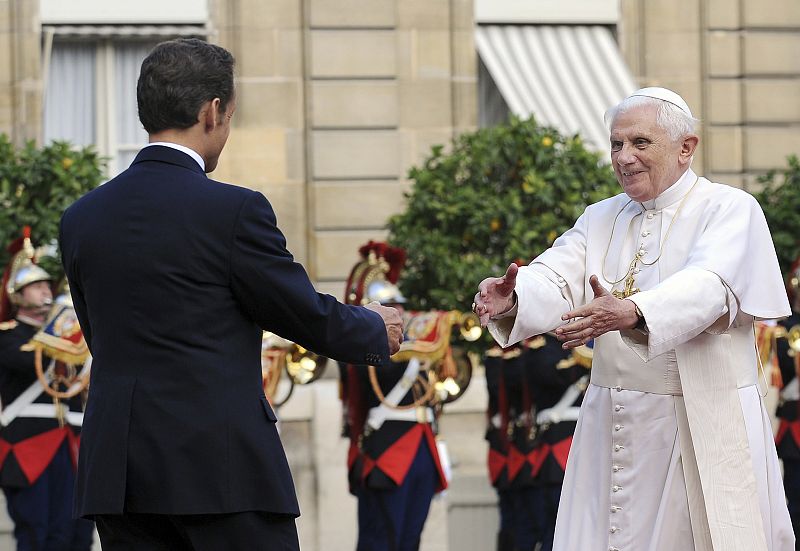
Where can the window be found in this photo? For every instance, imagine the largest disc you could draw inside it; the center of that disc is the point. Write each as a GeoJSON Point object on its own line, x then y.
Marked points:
{"type": "Point", "coordinates": [90, 97]}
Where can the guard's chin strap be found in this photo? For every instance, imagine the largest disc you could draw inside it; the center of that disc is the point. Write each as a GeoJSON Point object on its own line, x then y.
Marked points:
{"type": "Point", "coordinates": [29, 320]}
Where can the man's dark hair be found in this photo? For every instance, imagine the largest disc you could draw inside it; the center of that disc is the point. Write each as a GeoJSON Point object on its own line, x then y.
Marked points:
{"type": "Point", "coordinates": [177, 78]}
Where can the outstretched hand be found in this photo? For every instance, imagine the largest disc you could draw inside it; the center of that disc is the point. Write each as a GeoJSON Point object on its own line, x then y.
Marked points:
{"type": "Point", "coordinates": [605, 313]}
{"type": "Point", "coordinates": [393, 322]}
{"type": "Point", "coordinates": [495, 295]}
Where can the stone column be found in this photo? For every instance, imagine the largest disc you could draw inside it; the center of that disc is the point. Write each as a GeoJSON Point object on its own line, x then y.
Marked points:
{"type": "Point", "coordinates": [266, 149]}
{"type": "Point", "coordinates": [20, 70]}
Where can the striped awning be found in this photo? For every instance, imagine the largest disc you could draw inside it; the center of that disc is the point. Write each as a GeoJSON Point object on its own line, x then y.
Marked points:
{"type": "Point", "coordinates": [565, 76]}
{"type": "Point", "coordinates": [126, 31]}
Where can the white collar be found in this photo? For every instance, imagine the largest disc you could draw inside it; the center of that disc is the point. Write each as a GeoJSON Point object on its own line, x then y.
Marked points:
{"type": "Point", "coordinates": [673, 193]}
{"type": "Point", "coordinates": [190, 152]}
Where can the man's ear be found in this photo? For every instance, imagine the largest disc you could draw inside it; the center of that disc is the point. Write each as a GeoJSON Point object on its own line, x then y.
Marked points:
{"type": "Point", "coordinates": [210, 115]}
{"type": "Point", "coordinates": [688, 147]}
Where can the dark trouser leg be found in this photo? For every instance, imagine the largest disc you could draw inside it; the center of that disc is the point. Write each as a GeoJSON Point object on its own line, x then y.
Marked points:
{"type": "Point", "coordinates": [42, 512]}
{"type": "Point", "coordinates": [791, 484]}
{"type": "Point", "coordinates": [246, 531]}
{"type": "Point", "coordinates": [505, 506]}
{"type": "Point", "coordinates": [529, 515]}
{"type": "Point", "coordinates": [551, 496]}
{"type": "Point", "coordinates": [140, 532]}
{"type": "Point", "coordinates": [231, 531]}
{"type": "Point", "coordinates": [420, 486]}
{"type": "Point", "coordinates": [64, 533]}
{"type": "Point", "coordinates": [27, 508]}
{"type": "Point", "coordinates": [392, 520]}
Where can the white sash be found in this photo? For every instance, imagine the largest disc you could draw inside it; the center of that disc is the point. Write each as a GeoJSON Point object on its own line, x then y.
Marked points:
{"type": "Point", "coordinates": [720, 484]}
{"type": "Point", "coordinates": [380, 413]}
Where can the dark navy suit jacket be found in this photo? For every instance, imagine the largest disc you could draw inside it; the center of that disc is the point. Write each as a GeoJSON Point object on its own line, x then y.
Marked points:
{"type": "Point", "coordinates": [174, 276]}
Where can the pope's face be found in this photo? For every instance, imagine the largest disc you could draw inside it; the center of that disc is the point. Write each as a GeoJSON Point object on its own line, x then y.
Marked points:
{"type": "Point", "coordinates": [646, 160]}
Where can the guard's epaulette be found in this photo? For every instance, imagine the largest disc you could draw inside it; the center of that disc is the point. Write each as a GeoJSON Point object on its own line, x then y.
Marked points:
{"type": "Point", "coordinates": [6, 325]}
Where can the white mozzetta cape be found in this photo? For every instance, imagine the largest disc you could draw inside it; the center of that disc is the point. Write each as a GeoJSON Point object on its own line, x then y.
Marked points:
{"type": "Point", "coordinates": [673, 449]}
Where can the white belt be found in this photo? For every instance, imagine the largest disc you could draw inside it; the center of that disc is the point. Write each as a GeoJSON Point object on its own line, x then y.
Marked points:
{"type": "Point", "coordinates": [379, 414]}
{"type": "Point", "coordinates": [791, 391]}
{"type": "Point", "coordinates": [564, 410]}
{"type": "Point", "coordinates": [23, 401]}
{"type": "Point", "coordinates": [385, 414]}
{"type": "Point", "coordinates": [20, 405]}
{"type": "Point", "coordinates": [552, 416]}
{"type": "Point", "coordinates": [49, 411]}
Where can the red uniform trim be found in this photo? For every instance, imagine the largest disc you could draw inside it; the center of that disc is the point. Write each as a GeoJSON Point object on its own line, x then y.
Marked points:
{"type": "Point", "coordinates": [561, 451]}
{"type": "Point", "coordinates": [34, 454]}
{"type": "Point", "coordinates": [396, 460]}
{"type": "Point", "coordinates": [782, 430]}
{"type": "Point", "coordinates": [516, 461]}
{"type": "Point", "coordinates": [428, 431]}
{"type": "Point", "coordinates": [5, 447]}
{"type": "Point", "coordinates": [537, 456]}
{"type": "Point", "coordinates": [788, 427]}
{"type": "Point", "coordinates": [74, 445]}
{"type": "Point", "coordinates": [497, 462]}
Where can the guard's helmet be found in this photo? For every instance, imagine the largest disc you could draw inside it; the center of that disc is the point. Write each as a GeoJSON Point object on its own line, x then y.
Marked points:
{"type": "Point", "coordinates": [383, 291]}
{"type": "Point", "coordinates": [21, 271]}
{"type": "Point", "coordinates": [375, 276]}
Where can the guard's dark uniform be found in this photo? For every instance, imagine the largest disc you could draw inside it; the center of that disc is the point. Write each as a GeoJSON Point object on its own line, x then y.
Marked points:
{"type": "Point", "coordinates": [557, 382]}
{"type": "Point", "coordinates": [395, 469]}
{"type": "Point", "coordinates": [509, 415]}
{"type": "Point", "coordinates": [37, 455]}
{"type": "Point", "coordinates": [532, 417]}
{"type": "Point", "coordinates": [787, 441]}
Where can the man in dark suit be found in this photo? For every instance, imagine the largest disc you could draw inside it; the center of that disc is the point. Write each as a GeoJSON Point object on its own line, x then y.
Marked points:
{"type": "Point", "coordinates": [174, 276]}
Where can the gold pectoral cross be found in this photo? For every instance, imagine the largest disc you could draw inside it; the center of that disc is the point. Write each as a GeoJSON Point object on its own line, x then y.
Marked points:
{"type": "Point", "coordinates": [629, 280]}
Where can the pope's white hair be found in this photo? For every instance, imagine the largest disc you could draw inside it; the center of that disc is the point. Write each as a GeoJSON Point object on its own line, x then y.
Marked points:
{"type": "Point", "coordinates": [670, 117]}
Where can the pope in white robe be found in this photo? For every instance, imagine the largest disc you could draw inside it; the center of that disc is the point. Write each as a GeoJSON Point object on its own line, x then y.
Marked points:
{"type": "Point", "coordinates": [673, 450]}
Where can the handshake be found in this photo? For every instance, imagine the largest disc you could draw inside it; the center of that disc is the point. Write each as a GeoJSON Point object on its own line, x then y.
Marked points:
{"type": "Point", "coordinates": [394, 324]}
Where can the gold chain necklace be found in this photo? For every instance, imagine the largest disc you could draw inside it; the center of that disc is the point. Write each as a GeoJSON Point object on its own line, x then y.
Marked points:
{"type": "Point", "coordinates": [629, 288]}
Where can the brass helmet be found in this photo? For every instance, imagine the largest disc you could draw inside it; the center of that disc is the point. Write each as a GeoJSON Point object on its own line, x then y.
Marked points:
{"type": "Point", "coordinates": [374, 277]}
{"type": "Point", "coordinates": [22, 271]}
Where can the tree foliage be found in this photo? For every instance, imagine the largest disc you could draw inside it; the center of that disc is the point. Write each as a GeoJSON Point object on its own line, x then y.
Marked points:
{"type": "Point", "coordinates": [36, 185]}
{"type": "Point", "coordinates": [501, 194]}
{"type": "Point", "coordinates": [780, 199]}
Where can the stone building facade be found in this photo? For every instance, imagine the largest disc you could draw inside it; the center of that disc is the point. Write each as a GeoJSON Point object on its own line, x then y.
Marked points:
{"type": "Point", "coordinates": [737, 63]}
{"type": "Point", "coordinates": [338, 98]}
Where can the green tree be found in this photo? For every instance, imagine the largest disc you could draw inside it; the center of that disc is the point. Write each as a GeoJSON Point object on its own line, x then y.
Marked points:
{"type": "Point", "coordinates": [501, 194]}
{"type": "Point", "coordinates": [36, 185]}
{"type": "Point", "coordinates": [780, 199]}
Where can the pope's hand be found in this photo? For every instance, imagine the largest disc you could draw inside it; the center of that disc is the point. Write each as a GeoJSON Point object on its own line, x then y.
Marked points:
{"type": "Point", "coordinates": [605, 313]}
{"type": "Point", "coordinates": [495, 295]}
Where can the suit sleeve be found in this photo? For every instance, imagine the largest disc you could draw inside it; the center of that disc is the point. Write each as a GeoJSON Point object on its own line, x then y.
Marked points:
{"type": "Point", "coordinates": [277, 293]}
{"type": "Point", "coordinates": [78, 301]}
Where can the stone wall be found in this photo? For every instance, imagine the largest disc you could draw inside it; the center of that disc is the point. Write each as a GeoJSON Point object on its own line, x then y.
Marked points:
{"type": "Point", "coordinates": [20, 70]}
{"type": "Point", "coordinates": [337, 99]}
{"type": "Point", "coordinates": [736, 63]}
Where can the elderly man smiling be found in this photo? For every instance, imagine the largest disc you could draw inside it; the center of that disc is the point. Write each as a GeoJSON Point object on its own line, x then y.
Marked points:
{"type": "Point", "coordinates": [673, 450]}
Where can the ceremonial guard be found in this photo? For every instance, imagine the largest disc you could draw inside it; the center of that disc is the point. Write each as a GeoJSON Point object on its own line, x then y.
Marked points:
{"type": "Point", "coordinates": [394, 466]}
{"type": "Point", "coordinates": [535, 391]}
{"type": "Point", "coordinates": [510, 407]}
{"type": "Point", "coordinates": [557, 379]}
{"type": "Point", "coordinates": [785, 338]}
{"type": "Point", "coordinates": [39, 431]}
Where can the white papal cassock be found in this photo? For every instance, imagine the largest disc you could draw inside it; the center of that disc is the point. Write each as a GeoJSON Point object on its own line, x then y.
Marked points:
{"type": "Point", "coordinates": [673, 450]}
